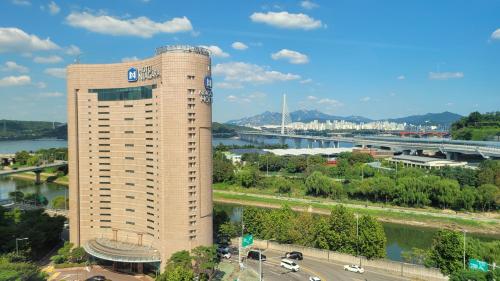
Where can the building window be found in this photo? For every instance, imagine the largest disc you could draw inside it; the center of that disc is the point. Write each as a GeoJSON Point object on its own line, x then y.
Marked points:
{"type": "Point", "coordinates": [129, 132]}
{"type": "Point", "coordinates": [190, 77]}
{"type": "Point", "coordinates": [130, 222]}
{"type": "Point", "coordinates": [128, 105]}
{"type": "Point", "coordinates": [130, 197]}
{"type": "Point", "coordinates": [120, 94]}
{"type": "Point", "coordinates": [129, 158]}
{"type": "Point", "coordinates": [130, 210]}
{"type": "Point", "coordinates": [129, 119]}
{"type": "Point", "coordinates": [129, 145]}
{"type": "Point", "coordinates": [191, 91]}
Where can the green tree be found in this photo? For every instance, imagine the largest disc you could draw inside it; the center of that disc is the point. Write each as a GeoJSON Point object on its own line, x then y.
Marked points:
{"type": "Point", "coordinates": [447, 251]}
{"type": "Point", "coordinates": [22, 157]}
{"type": "Point", "coordinates": [16, 195]}
{"type": "Point", "coordinates": [205, 260]}
{"type": "Point", "coordinates": [227, 231]}
{"type": "Point", "coordinates": [487, 195]}
{"type": "Point", "coordinates": [179, 268]}
{"type": "Point", "coordinates": [59, 202]}
{"type": "Point", "coordinates": [342, 230]}
{"type": "Point", "coordinates": [445, 192]}
{"type": "Point", "coordinates": [372, 239]}
{"type": "Point", "coordinates": [223, 168]}
{"type": "Point", "coordinates": [248, 176]}
{"type": "Point", "coordinates": [318, 184]}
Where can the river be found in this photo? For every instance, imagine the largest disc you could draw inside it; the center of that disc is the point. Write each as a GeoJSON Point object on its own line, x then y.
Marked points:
{"type": "Point", "coordinates": [33, 145]}
{"type": "Point", "coordinates": [399, 237]}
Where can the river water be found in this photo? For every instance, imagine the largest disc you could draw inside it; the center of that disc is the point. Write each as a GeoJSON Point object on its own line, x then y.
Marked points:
{"type": "Point", "coordinates": [399, 237]}
{"type": "Point", "coordinates": [33, 145]}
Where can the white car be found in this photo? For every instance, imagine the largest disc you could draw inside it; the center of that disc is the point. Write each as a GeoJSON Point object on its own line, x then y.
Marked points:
{"type": "Point", "coordinates": [312, 278]}
{"type": "Point", "coordinates": [224, 253]}
{"type": "Point", "coordinates": [289, 264]}
{"type": "Point", "coordinates": [354, 268]}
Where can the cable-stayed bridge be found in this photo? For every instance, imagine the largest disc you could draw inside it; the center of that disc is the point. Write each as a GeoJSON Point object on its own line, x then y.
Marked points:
{"type": "Point", "coordinates": [451, 148]}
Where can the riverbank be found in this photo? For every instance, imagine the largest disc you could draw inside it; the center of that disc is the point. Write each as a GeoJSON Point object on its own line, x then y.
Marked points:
{"type": "Point", "coordinates": [43, 177]}
{"type": "Point", "coordinates": [391, 215]}
{"type": "Point", "coordinates": [405, 216]}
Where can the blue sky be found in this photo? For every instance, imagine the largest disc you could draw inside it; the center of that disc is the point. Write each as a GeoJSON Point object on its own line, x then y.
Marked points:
{"type": "Point", "coordinates": [375, 58]}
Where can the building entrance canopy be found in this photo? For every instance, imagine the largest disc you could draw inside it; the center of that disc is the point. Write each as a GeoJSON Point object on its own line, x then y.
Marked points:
{"type": "Point", "coordinates": [121, 251]}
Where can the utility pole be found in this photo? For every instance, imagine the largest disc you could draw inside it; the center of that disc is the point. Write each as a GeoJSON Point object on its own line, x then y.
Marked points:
{"type": "Point", "coordinates": [283, 115]}
{"type": "Point", "coordinates": [241, 240]}
{"type": "Point", "coordinates": [260, 265]}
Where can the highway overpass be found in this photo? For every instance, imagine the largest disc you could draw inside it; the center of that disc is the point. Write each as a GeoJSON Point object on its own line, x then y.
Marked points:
{"type": "Point", "coordinates": [486, 149]}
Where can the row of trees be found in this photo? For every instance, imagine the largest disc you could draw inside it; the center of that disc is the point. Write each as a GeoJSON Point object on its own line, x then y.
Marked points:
{"type": "Point", "coordinates": [447, 254]}
{"type": "Point", "coordinates": [456, 188]}
{"type": "Point", "coordinates": [336, 232]}
{"type": "Point", "coordinates": [25, 158]}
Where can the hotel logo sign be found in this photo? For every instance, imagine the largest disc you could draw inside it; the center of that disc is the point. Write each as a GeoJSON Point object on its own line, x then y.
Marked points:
{"type": "Point", "coordinates": [132, 75]}
{"type": "Point", "coordinates": [143, 74]}
{"type": "Point", "coordinates": [206, 96]}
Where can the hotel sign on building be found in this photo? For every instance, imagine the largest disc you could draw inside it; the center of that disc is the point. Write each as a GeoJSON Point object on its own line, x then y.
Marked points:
{"type": "Point", "coordinates": [145, 73]}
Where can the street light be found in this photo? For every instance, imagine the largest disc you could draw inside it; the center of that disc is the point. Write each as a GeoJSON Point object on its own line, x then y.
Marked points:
{"type": "Point", "coordinates": [17, 245]}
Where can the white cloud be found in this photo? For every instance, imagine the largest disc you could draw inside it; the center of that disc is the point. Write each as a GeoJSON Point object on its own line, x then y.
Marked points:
{"type": "Point", "coordinates": [239, 46]}
{"type": "Point", "coordinates": [227, 85]}
{"type": "Point", "coordinates": [41, 85]}
{"type": "Point", "coordinates": [312, 98]}
{"type": "Point", "coordinates": [73, 50]}
{"type": "Point", "coordinates": [309, 5]}
{"type": "Point", "coordinates": [252, 73]}
{"type": "Point", "coordinates": [496, 34]}
{"type": "Point", "coordinates": [293, 57]}
{"type": "Point", "coordinates": [56, 72]}
{"type": "Point", "coordinates": [365, 99]}
{"type": "Point", "coordinates": [51, 95]}
{"type": "Point", "coordinates": [141, 26]}
{"type": "Point", "coordinates": [401, 77]}
{"type": "Point", "coordinates": [392, 94]}
{"type": "Point", "coordinates": [216, 51]}
{"type": "Point", "coordinates": [287, 20]}
{"type": "Point", "coordinates": [13, 66]}
{"type": "Point", "coordinates": [129, 59]}
{"type": "Point", "coordinates": [306, 81]}
{"type": "Point", "coordinates": [11, 81]}
{"type": "Point", "coordinates": [246, 98]}
{"type": "Point", "coordinates": [449, 104]}
{"type": "Point", "coordinates": [445, 75]}
{"type": "Point", "coordinates": [330, 102]}
{"type": "Point", "coordinates": [48, 59]}
{"type": "Point", "coordinates": [21, 2]}
{"type": "Point", "coordinates": [16, 40]}
{"type": "Point", "coordinates": [231, 98]}
{"type": "Point", "coordinates": [53, 8]}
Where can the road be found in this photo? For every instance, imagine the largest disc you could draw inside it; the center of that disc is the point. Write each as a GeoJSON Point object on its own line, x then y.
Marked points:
{"type": "Point", "coordinates": [315, 267]}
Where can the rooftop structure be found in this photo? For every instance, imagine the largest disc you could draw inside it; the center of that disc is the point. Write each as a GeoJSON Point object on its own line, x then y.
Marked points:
{"type": "Point", "coordinates": [309, 151]}
{"type": "Point", "coordinates": [425, 162]}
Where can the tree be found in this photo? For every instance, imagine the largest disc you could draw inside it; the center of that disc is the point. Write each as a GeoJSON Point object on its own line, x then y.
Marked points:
{"type": "Point", "coordinates": [78, 255]}
{"type": "Point", "coordinates": [372, 238]}
{"type": "Point", "coordinates": [179, 268]}
{"type": "Point", "coordinates": [447, 251]}
{"type": "Point", "coordinates": [205, 260]}
{"type": "Point", "coordinates": [467, 198]}
{"type": "Point", "coordinates": [318, 184]}
{"type": "Point", "coordinates": [60, 202]}
{"type": "Point", "coordinates": [487, 193]}
{"type": "Point", "coordinates": [16, 195]}
{"type": "Point", "coordinates": [223, 168]}
{"type": "Point", "coordinates": [342, 230]}
{"type": "Point", "coordinates": [282, 185]}
{"type": "Point", "coordinates": [247, 177]}
{"type": "Point", "coordinates": [22, 157]}
{"type": "Point", "coordinates": [227, 231]}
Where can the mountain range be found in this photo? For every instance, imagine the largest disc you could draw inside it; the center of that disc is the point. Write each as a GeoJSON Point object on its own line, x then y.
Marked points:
{"type": "Point", "coordinates": [274, 118]}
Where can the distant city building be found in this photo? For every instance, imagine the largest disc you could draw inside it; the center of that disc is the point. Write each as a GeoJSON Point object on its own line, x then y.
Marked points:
{"type": "Point", "coordinates": [140, 157]}
{"type": "Point", "coordinates": [425, 162]}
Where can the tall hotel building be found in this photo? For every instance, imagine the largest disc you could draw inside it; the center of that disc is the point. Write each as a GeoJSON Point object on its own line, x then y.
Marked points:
{"type": "Point", "coordinates": [140, 156]}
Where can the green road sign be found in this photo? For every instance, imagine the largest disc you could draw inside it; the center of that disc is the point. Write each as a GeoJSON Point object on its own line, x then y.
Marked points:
{"type": "Point", "coordinates": [247, 240]}
{"type": "Point", "coordinates": [478, 265]}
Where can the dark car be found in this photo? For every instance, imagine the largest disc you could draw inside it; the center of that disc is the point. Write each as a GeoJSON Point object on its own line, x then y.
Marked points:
{"type": "Point", "coordinates": [254, 255]}
{"type": "Point", "coordinates": [97, 278]}
{"type": "Point", "coordinates": [294, 255]}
